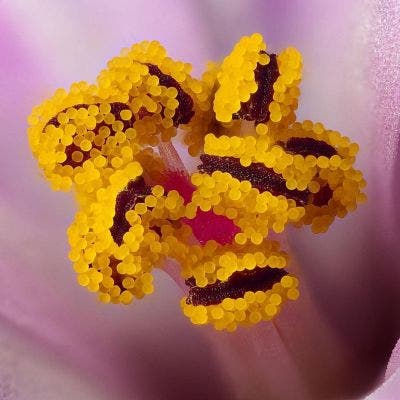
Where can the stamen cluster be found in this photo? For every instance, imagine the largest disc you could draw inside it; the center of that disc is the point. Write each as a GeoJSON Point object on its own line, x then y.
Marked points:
{"type": "Point", "coordinates": [259, 170]}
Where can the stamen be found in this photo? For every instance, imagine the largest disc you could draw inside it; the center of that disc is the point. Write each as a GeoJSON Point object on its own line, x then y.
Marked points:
{"type": "Point", "coordinates": [135, 192]}
{"type": "Point", "coordinates": [256, 108]}
{"type": "Point", "coordinates": [322, 197]}
{"type": "Point", "coordinates": [307, 146]}
{"type": "Point", "coordinates": [236, 286]}
{"type": "Point", "coordinates": [55, 122]}
{"type": "Point", "coordinates": [262, 171]}
{"type": "Point", "coordinates": [184, 112]}
{"type": "Point", "coordinates": [260, 177]}
{"type": "Point", "coordinates": [77, 155]}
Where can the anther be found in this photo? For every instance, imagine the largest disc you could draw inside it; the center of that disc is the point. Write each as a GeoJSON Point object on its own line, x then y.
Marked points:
{"type": "Point", "coordinates": [256, 108]}
{"type": "Point", "coordinates": [235, 287]}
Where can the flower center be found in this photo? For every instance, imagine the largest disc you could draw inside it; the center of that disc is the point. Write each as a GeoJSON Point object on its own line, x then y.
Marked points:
{"type": "Point", "coordinates": [260, 171]}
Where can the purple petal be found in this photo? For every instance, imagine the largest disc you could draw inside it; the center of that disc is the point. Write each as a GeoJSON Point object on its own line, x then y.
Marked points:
{"type": "Point", "coordinates": [394, 362]}
{"type": "Point", "coordinates": [390, 389]}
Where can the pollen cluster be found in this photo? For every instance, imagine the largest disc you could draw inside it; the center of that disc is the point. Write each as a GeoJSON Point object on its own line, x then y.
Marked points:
{"type": "Point", "coordinates": [259, 171]}
{"type": "Point", "coordinates": [248, 310]}
{"type": "Point", "coordinates": [254, 212]}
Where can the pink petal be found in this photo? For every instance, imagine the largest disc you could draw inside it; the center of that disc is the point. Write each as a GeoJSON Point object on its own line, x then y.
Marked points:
{"type": "Point", "coordinates": [390, 389]}
{"type": "Point", "coordinates": [394, 362]}
{"type": "Point", "coordinates": [33, 369]}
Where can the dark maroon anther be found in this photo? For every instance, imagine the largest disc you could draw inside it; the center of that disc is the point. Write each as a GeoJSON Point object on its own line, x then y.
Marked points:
{"type": "Point", "coordinates": [184, 112]}
{"type": "Point", "coordinates": [307, 146]}
{"type": "Point", "coordinates": [322, 197]}
{"type": "Point", "coordinates": [54, 120]}
{"type": "Point", "coordinates": [260, 177]}
{"type": "Point", "coordinates": [116, 109]}
{"type": "Point", "coordinates": [117, 277]}
{"type": "Point", "coordinates": [256, 108]}
{"type": "Point", "coordinates": [68, 152]}
{"type": "Point", "coordinates": [235, 287]}
{"type": "Point", "coordinates": [135, 192]}
{"type": "Point", "coordinates": [142, 113]}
